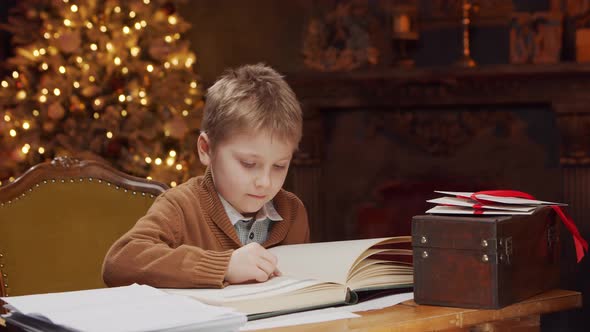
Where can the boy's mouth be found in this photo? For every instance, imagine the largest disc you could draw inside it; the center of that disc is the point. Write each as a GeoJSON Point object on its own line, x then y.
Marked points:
{"type": "Point", "coordinates": [257, 196]}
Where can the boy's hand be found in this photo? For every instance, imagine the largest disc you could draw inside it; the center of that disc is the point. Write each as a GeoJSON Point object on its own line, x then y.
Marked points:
{"type": "Point", "coordinates": [251, 262]}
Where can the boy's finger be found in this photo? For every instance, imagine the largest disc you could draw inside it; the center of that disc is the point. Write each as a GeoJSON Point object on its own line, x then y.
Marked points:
{"type": "Point", "coordinates": [267, 255]}
{"type": "Point", "coordinates": [265, 266]}
{"type": "Point", "coordinates": [277, 273]}
{"type": "Point", "coordinates": [260, 275]}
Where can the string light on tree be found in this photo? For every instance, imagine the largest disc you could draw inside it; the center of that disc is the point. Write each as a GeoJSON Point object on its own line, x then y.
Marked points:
{"type": "Point", "coordinates": [87, 81]}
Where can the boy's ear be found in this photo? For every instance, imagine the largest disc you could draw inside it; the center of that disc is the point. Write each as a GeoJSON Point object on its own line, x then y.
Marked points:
{"type": "Point", "coordinates": [204, 149]}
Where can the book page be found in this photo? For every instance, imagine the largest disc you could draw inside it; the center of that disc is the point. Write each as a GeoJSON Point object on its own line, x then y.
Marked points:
{"type": "Point", "coordinates": [439, 209]}
{"type": "Point", "coordinates": [326, 261]}
{"type": "Point", "coordinates": [221, 296]}
{"type": "Point", "coordinates": [453, 201]}
{"type": "Point", "coordinates": [278, 293]}
{"type": "Point", "coordinates": [499, 199]}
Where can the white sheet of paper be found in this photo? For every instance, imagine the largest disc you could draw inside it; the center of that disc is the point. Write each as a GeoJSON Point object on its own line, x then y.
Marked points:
{"type": "Point", "coordinates": [465, 202]}
{"type": "Point", "coordinates": [129, 308]}
{"type": "Point", "coordinates": [517, 200]}
{"type": "Point", "coordinates": [299, 318]}
{"type": "Point", "coordinates": [504, 200]}
{"type": "Point", "coordinates": [465, 210]}
{"type": "Point", "coordinates": [379, 303]}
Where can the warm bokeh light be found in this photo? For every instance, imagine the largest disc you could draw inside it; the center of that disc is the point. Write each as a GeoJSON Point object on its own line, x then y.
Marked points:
{"type": "Point", "coordinates": [89, 78]}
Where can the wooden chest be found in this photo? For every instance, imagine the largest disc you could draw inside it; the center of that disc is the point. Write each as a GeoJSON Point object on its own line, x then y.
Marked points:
{"type": "Point", "coordinates": [484, 262]}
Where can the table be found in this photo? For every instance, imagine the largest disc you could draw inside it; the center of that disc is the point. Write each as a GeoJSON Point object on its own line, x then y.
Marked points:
{"type": "Point", "coordinates": [409, 316]}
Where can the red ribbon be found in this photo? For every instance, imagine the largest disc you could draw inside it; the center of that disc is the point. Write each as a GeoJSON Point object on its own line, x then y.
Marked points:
{"type": "Point", "coordinates": [579, 242]}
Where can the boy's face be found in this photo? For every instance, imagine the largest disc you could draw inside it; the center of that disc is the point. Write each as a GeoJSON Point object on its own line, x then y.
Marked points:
{"type": "Point", "coordinates": [248, 169]}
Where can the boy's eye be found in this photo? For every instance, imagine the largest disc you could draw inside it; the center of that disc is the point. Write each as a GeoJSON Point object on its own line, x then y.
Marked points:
{"type": "Point", "coordinates": [247, 164]}
{"type": "Point", "coordinates": [279, 166]}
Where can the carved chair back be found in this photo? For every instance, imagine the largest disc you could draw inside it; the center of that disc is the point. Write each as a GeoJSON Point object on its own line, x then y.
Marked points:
{"type": "Point", "coordinates": [58, 220]}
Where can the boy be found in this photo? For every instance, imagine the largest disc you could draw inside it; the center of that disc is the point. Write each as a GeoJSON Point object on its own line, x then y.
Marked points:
{"type": "Point", "coordinates": [213, 230]}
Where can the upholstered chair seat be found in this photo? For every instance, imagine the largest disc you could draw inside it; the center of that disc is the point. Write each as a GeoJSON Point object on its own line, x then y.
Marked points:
{"type": "Point", "coordinates": [58, 220]}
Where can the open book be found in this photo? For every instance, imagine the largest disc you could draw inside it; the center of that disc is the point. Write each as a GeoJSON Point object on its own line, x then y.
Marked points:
{"type": "Point", "coordinates": [478, 204]}
{"type": "Point", "coordinates": [318, 275]}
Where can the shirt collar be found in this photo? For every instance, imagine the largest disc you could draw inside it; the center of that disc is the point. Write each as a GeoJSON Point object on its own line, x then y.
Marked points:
{"type": "Point", "coordinates": [267, 211]}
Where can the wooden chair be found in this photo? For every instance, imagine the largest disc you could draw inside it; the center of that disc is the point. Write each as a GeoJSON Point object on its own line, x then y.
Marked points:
{"type": "Point", "coordinates": [58, 220]}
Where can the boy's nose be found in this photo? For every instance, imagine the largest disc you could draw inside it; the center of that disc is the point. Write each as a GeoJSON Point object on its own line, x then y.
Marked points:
{"type": "Point", "coordinates": [263, 180]}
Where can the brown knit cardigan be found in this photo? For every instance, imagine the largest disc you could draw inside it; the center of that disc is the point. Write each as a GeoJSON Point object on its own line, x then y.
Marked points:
{"type": "Point", "coordinates": [186, 239]}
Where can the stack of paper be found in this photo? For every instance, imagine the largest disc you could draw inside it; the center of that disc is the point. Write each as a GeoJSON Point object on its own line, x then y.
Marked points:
{"type": "Point", "coordinates": [130, 308]}
{"type": "Point", "coordinates": [466, 203]}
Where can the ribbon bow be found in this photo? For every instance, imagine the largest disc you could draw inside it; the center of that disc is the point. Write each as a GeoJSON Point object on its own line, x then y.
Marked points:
{"type": "Point", "coordinates": [579, 242]}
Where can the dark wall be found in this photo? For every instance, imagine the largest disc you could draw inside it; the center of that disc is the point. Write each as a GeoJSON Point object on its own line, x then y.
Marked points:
{"type": "Point", "coordinates": [229, 33]}
{"type": "Point", "coordinates": [5, 49]}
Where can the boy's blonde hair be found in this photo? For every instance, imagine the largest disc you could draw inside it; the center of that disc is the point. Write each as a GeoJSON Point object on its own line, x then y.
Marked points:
{"type": "Point", "coordinates": [252, 97]}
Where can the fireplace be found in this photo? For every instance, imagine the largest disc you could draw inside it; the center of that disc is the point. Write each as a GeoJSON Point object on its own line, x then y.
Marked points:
{"type": "Point", "coordinates": [380, 165]}
{"type": "Point", "coordinates": [378, 142]}
{"type": "Point", "coordinates": [384, 139]}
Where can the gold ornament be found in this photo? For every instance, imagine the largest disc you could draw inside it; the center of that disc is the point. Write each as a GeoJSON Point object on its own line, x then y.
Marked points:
{"type": "Point", "coordinates": [89, 91]}
{"type": "Point", "coordinates": [48, 126]}
{"type": "Point", "coordinates": [177, 128]}
{"type": "Point", "coordinates": [69, 41]}
{"type": "Point", "coordinates": [56, 111]}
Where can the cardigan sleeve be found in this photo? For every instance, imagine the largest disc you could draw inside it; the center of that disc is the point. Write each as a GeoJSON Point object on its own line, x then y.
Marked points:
{"type": "Point", "coordinates": [299, 230]}
{"type": "Point", "coordinates": [152, 253]}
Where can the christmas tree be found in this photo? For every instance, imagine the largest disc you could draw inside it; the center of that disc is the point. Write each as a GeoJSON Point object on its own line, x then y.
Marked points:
{"type": "Point", "coordinates": [110, 80]}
